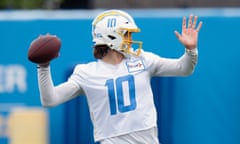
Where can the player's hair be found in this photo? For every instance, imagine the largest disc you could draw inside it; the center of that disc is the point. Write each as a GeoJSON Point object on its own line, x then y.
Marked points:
{"type": "Point", "coordinates": [100, 51]}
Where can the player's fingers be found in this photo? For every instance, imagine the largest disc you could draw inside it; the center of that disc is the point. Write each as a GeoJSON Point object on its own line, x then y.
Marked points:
{"type": "Point", "coordinates": [35, 39]}
{"type": "Point", "coordinates": [39, 36]}
{"type": "Point", "coordinates": [184, 23]}
{"type": "Point", "coordinates": [177, 34]}
{"type": "Point", "coordinates": [194, 22]}
{"type": "Point", "coordinates": [57, 55]}
{"type": "Point", "coordinates": [199, 26]}
{"type": "Point", "coordinates": [190, 21]}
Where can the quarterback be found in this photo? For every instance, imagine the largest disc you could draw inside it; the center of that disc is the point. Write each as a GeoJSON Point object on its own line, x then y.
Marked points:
{"type": "Point", "coordinates": [117, 84]}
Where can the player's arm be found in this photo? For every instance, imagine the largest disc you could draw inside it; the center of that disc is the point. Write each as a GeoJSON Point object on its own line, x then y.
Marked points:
{"type": "Point", "coordinates": [53, 95]}
{"type": "Point", "coordinates": [42, 50]}
{"type": "Point", "coordinates": [184, 65]}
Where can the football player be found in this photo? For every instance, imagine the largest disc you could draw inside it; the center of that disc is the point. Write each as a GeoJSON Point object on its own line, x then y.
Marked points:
{"type": "Point", "coordinates": [117, 85]}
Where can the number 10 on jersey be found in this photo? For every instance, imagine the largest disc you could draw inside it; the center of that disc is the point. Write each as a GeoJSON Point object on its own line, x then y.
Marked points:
{"type": "Point", "coordinates": [117, 97]}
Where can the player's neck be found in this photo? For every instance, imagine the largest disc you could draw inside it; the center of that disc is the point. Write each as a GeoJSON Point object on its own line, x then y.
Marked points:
{"type": "Point", "coordinates": [113, 57]}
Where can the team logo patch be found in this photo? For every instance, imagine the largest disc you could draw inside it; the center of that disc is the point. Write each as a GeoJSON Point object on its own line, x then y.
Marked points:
{"type": "Point", "coordinates": [135, 66]}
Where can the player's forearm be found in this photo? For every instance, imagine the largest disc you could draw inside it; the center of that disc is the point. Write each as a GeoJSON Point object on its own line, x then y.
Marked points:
{"type": "Point", "coordinates": [46, 87]}
{"type": "Point", "coordinates": [53, 95]}
{"type": "Point", "coordinates": [188, 62]}
{"type": "Point", "coordinates": [182, 66]}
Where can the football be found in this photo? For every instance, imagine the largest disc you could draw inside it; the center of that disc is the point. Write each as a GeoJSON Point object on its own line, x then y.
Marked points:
{"type": "Point", "coordinates": [44, 48]}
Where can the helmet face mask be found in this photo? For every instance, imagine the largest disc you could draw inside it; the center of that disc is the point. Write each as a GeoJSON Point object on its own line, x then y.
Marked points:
{"type": "Point", "coordinates": [128, 45]}
{"type": "Point", "coordinates": [114, 28]}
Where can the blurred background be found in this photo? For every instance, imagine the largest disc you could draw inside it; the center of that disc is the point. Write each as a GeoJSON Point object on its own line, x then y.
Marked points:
{"type": "Point", "coordinates": [203, 108]}
{"type": "Point", "coordinates": [93, 4]}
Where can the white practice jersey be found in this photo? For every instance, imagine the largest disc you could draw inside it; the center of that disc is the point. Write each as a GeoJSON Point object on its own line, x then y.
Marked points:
{"type": "Point", "coordinates": [119, 96]}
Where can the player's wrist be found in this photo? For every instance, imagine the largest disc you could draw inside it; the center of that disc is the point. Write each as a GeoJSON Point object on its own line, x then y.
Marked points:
{"type": "Point", "coordinates": [43, 65]}
{"type": "Point", "coordinates": [193, 51]}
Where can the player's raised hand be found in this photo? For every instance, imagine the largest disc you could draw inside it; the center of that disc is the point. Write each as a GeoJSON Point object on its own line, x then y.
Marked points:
{"type": "Point", "coordinates": [189, 35]}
